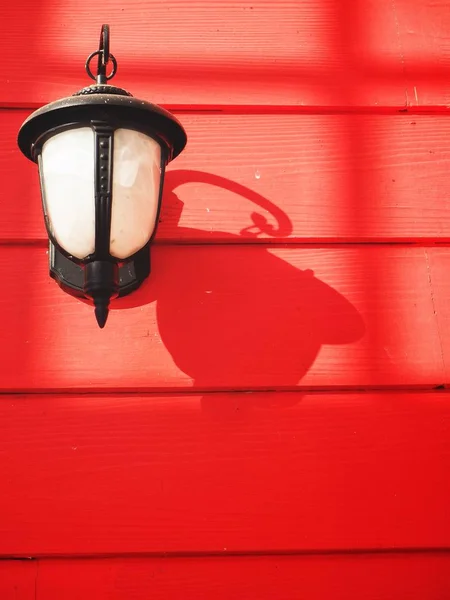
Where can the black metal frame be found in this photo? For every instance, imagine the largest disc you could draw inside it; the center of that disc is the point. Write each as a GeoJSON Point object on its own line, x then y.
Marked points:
{"type": "Point", "coordinates": [70, 276]}
{"type": "Point", "coordinates": [104, 56]}
{"type": "Point", "coordinates": [103, 176]}
{"type": "Point", "coordinates": [105, 105]}
{"type": "Point", "coordinates": [104, 108]}
{"type": "Point", "coordinates": [99, 276]}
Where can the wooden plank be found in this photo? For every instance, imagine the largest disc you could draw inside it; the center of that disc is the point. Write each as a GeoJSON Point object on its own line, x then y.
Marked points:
{"type": "Point", "coordinates": [261, 472]}
{"type": "Point", "coordinates": [288, 178]}
{"type": "Point", "coordinates": [242, 52]}
{"type": "Point", "coordinates": [229, 317]}
{"type": "Point", "coordinates": [439, 268]}
{"type": "Point", "coordinates": [424, 40]}
{"type": "Point", "coordinates": [18, 579]}
{"type": "Point", "coordinates": [263, 578]}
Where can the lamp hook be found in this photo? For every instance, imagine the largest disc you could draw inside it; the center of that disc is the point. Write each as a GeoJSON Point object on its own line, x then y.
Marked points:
{"type": "Point", "coordinates": [104, 57]}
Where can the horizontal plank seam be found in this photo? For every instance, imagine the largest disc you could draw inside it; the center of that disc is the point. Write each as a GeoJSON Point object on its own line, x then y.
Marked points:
{"type": "Point", "coordinates": [292, 242]}
{"type": "Point", "coordinates": [167, 391]}
{"type": "Point", "coordinates": [229, 554]}
{"type": "Point", "coordinates": [245, 109]}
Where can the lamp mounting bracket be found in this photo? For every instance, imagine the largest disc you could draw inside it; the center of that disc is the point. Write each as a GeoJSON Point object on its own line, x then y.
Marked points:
{"type": "Point", "coordinates": [104, 57]}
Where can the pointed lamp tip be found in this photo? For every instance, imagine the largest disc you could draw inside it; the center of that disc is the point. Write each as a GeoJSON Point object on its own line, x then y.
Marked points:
{"type": "Point", "coordinates": [101, 314]}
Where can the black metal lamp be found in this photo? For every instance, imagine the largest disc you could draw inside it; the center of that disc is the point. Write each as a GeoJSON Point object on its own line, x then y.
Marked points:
{"type": "Point", "coordinates": [102, 156]}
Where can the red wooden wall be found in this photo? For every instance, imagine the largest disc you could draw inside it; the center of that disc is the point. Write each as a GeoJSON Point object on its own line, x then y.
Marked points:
{"type": "Point", "coordinates": [268, 417]}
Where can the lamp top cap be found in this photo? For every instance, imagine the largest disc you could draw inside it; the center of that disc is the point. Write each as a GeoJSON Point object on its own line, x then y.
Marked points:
{"type": "Point", "coordinates": [102, 101]}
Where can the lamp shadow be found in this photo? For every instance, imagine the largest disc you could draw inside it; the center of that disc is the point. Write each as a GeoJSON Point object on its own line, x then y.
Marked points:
{"type": "Point", "coordinates": [236, 315]}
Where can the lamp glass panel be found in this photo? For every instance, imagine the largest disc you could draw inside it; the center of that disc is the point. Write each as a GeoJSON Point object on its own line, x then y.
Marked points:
{"type": "Point", "coordinates": [67, 176]}
{"type": "Point", "coordinates": [136, 190]}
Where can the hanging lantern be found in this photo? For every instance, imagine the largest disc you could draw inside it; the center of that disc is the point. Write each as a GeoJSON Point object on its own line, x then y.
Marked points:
{"type": "Point", "coordinates": [102, 155]}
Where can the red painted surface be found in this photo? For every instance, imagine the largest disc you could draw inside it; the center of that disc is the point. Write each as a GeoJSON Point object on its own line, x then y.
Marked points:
{"type": "Point", "coordinates": [227, 317]}
{"type": "Point", "coordinates": [278, 388]}
{"type": "Point", "coordinates": [17, 580]}
{"type": "Point", "coordinates": [366, 577]}
{"type": "Point", "coordinates": [245, 52]}
{"type": "Point", "coordinates": [288, 178]}
{"type": "Point", "coordinates": [224, 473]}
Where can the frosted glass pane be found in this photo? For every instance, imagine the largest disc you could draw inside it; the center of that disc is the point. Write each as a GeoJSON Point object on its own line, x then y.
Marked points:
{"type": "Point", "coordinates": [136, 179]}
{"type": "Point", "coordinates": [68, 180]}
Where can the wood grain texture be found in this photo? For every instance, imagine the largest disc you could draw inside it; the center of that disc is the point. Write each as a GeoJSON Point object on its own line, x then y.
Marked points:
{"type": "Point", "coordinates": [424, 41]}
{"type": "Point", "coordinates": [261, 472]}
{"type": "Point", "coordinates": [439, 269]}
{"type": "Point", "coordinates": [288, 578]}
{"type": "Point", "coordinates": [391, 577]}
{"type": "Point", "coordinates": [229, 317]}
{"type": "Point", "coordinates": [137, 466]}
{"type": "Point", "coordinates": [229, 52]}
{"type": "Point", "coordinates": [282, 178]}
